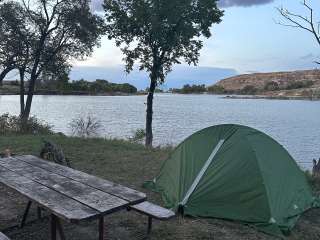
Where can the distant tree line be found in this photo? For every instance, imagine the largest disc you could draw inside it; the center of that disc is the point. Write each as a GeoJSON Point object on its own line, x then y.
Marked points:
{"type": "Point", "coordinates": [188, 89]}
{"type": "Point", "coordinates": [100, 86]}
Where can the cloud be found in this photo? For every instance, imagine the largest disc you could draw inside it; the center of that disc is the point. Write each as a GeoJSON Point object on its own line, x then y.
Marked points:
{"type": "Point", "coordinates": [307, 57]}
{"type": "Point", "coordinates": [242, 3]}
{"type": "Point", "coordinates": [310, 57]}
{"type": "Point", "coordinates": [96, 5]}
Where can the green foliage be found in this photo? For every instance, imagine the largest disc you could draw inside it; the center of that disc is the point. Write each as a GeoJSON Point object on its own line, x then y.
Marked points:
{"type": "Point", "coordinates": [13, 32]}
{"type": "Point", "coordinates": [316, 93]}
{"type": "Point", "coordinates": [299, 84]}
{"type": "Point", "coordinates": [63, 29]}
{"type": "Point", "coordinates": [62, 82]}
{"type": "Point", "coordinates": [158, 34]}
{"type": "Point", "coordinates": [249, 90]}
{"type": "Point", "coordinates": [216, 89]}
{"type": "Point", "coordinates": [138, 136]}
{"type": "Point", "coordinates": [271, 86]}
{"type": "Point", "coordinates": [96, 87]}
{"type": "Point", "coordinates": [314, 181]}
{"type": "Point", "coordinates": [13, 124]}
{"type": "Point", "coordinates": [187, 89]}
{"type": "Point", "coordinates": [85, 127]}
{"type": "Point", "coordinates": [51, 34]}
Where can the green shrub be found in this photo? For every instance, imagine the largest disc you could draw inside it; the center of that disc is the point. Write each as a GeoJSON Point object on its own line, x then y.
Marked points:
{"type": "Point", "coordinates": [85, 127]}
{"type": "Point", "coordinates": [13, 124]}
{"type": "Point", "coordinates": [316, 93]}
{"type": "Point", "coordinates": [249, 90]}
{"type": "Point", "coordinates": [314, 181]}
{"type": "Point", "coordinates": [299, 84]}
{"type": "Point", "coordinates": [188, 89]}
{"type": "Point", "coordinates": [138, 136]}
{"type": "Point", "coordinates": [216, 89]}
{"type": "Point", "coordinates": [271, 86]}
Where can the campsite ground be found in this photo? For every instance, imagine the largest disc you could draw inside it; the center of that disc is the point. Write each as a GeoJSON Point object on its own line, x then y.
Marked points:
{"type": "Point", "coordinates": [129, 164]}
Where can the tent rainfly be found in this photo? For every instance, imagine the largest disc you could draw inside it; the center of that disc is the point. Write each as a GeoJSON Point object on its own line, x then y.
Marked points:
{"type": "Point", "coordinates": [238, 173]}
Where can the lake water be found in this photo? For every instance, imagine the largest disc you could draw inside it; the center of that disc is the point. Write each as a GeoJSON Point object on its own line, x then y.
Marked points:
{"type": "Point", "coordinates": [295, 124]}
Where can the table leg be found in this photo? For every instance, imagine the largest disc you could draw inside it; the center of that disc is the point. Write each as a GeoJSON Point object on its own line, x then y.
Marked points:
{"type": "Point", "coordinates": [39, 213]}
{"type": "Point", "coordinates": [53, 227]}
{"type": "Point", "coordinates": [101, 228]}
{"type": "Point", "coordinates": [149, 225]}
{"type": "Point", "coordinates": [25, 215]}
{"type": "Point", "coordinates": [60, 230]}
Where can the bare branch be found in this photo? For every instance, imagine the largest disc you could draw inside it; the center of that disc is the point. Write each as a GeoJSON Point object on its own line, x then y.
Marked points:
{"type": "Point", "coordinates": [290, 18]}
{"type": "Point", "coordinates": [45, 10]}
{"type": "Point", "coordinates": [295, 20]}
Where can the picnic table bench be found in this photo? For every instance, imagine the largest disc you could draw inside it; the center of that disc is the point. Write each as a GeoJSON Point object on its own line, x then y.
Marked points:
{"type": "Point", "coordinates": [3, 237]}
{"type": "Point", "coordinates": [66, 193]}
{"type": "Point", "coordinates": [152, 211]}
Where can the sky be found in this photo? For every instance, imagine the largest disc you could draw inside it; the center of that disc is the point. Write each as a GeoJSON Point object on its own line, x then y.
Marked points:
{"type": "Point", "coordinates": [247, 40]}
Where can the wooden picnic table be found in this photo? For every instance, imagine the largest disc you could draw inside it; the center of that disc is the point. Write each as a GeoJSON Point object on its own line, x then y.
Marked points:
{"type": "Point", "coordinates": [67, 194]}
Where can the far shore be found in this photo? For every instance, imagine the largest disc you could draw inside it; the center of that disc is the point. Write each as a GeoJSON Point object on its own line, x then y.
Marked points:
{"type": "Point", "coordinates": [54, 93]}
{"type": "Point", "coordinates": [230, 96]}
{"type": "Point", "coordinates": [271, 97]}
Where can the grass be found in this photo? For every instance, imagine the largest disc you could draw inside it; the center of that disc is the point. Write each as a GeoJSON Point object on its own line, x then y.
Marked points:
{"type": "Point", "coordinates": [116, 160]}
{"type": "Point", "coordinates": [129, 164]}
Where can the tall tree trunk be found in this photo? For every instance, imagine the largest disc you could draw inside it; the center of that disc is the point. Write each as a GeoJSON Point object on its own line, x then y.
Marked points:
{"type": "Point", "coordinates": [149, 135]}
{"type": "Point", "coordinates": [4, 73]}
{"type": "Point", "coordinates": [33, 78]}
{"type": "Point", "coordinates": [22, 92]}
{"type": "Point", "coordinates": [27, 108]}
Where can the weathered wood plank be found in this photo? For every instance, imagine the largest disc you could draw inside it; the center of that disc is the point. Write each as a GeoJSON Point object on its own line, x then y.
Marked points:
{"type": "Point", "coordinates": [3, 237]}
{"type": "Point", "coordinates": [57, 203]}
{"type": "Point", "coordinates": [103, 202]}
{"type": "Point", "coordinates": [118, 190]}
{"type": "Point", "coordinates": [153, 210]}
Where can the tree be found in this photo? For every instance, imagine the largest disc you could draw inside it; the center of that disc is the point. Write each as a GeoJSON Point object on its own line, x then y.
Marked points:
{"type": "Point", "coordinates": [249, 90]}
{"type": "Point", "coordinates": [187, 89]}
{"type": "Point", "coordinates": [13, 28]}
{"type": "Point", "coordinates": [271, 86]}
{"type": "Point", "coordinates": [158, 34]}
{"type": "Point", "coordinates": [60, 30]}
{"type": "Point", "coordinates": [296, 20]}
{"type": "Point", "coordinates": [53, 72]}
{"type": "Point", "coordinates": [216, 89]}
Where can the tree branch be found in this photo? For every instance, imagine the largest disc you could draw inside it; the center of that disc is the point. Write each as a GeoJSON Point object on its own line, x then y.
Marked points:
{"type": "Point", "coordinates": [298, 21]}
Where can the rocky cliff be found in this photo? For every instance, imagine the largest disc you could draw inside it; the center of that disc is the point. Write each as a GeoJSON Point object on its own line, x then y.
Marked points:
{"type": "Point", "coordinates": [259, 80]}
{"type": "Point", "coordinates": [296, 83]}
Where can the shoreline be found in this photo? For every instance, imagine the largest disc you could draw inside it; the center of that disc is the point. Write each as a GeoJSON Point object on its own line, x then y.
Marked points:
{"type": "Point", "coordinates": [76, 94]}
{"type": "Point", "coordinates": [270, 97]}
{"type": "Point", "coordinates": [224, 96]}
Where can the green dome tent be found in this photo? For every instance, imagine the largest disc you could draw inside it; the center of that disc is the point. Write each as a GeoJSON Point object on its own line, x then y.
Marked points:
{"type": "Point", "coordinates": [238, 173]}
